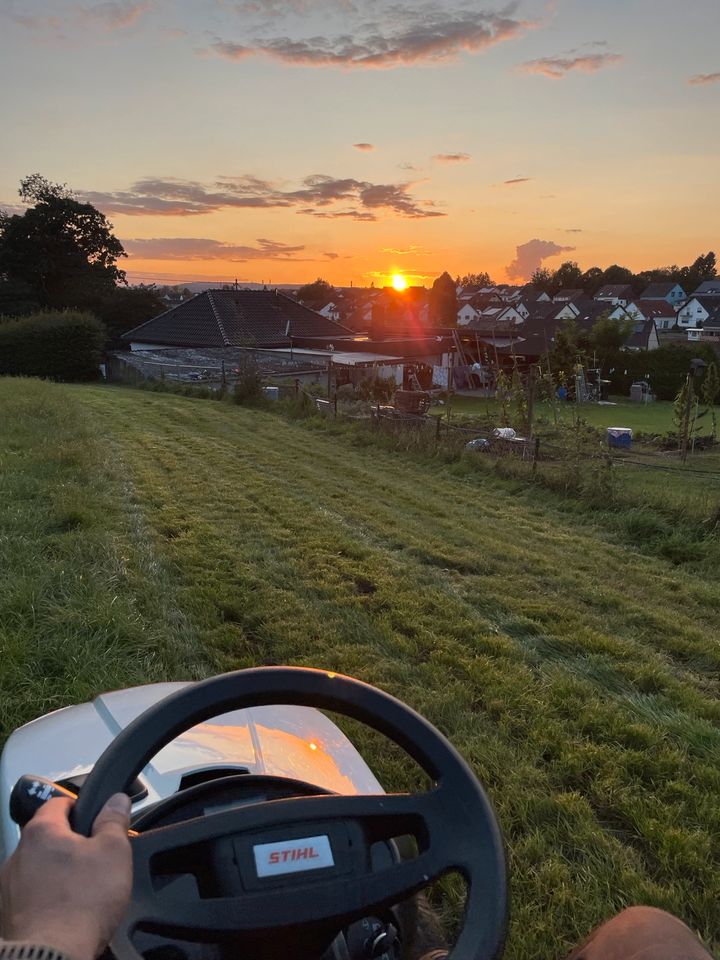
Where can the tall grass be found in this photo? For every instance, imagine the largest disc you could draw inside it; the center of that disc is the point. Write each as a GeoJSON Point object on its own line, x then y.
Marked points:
{"type": "Point", "coordinates": [84, 603]}
{"type": "Point", "coordinates": [578, 676]}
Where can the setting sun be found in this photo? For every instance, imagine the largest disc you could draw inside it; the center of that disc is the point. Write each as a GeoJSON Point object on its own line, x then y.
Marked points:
{"type": "Point", "coordinates": [399, 281]}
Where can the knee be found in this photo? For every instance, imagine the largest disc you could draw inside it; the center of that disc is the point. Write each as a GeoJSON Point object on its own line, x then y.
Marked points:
{"type": "Point", "coordinates": [647, 918]}
{"type": "Point", "coordinates": [645, 932]}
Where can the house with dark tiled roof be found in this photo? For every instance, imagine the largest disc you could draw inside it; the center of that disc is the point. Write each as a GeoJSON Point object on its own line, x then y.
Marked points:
{"type": "Point", "coordinates": [696, 311]}
{"type": "Point", "coordinates": [661, 311]}
{"type": "Point", "coordinates": [530, 294]}
{"type": "Point", "coordinates": [234, 318]}
{"type": "Point", "coordinates": [643, 337]}
{"type": "Point", "coordinates": [708, 288]}
{"type": "Point", "coordinates": [569, 294]}
{"type": "Point", "coordinates": [616, 293]}
{"type": "Point", "coordinates": [671, 292]}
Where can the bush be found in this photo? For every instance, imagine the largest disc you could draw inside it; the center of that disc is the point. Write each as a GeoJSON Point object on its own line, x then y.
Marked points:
{"type": "Point", "coordinates": [248, 387]}
{"type": "Point", "coordinates": [666, 368]}
{"type": "Point", "coordinates": [377, 389]}
{"type": "Point", "coordinates": [55, 345]}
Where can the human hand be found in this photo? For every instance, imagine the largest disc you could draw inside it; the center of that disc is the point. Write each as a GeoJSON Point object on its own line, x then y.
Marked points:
{"type": "Point", "coordinates": [62, 890]}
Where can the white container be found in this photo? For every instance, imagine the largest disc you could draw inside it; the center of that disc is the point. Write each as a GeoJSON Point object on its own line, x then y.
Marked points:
{"type": "Point", "coordinates": [272, 393]}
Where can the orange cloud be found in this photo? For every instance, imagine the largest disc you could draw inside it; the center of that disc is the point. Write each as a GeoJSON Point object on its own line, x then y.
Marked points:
{"type": "Point", "coordinates": [199, 248]}
{"type": "Point", "coordinates": [530, 256]}
{"type": "Point", "coordinates": [426, 37]}
{"type": "Point", "coordinates": [319, 195]}
{"type": "Point", "coordinates": [702, 78]}
{"type": "Point", "coordinates": [364, 146]}
{"type": "Point", "coordinates": [557, 67]}
{"type": "Point", "coordinates": [452, 157]}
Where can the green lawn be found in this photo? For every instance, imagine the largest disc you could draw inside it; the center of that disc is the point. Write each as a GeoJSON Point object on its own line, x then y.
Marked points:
{"type": "Point", "coordinates": [654, 418]}
{"type": "Point", "coordinates": [146, 535]}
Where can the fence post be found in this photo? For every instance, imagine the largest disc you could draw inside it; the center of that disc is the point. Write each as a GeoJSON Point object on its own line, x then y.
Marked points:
{"type": "Point", "coordinates": [437, 429]}
{"type": "Point", "coordinates": [536, 451]}
{"type": "Point", "coordinates": [335, 406]}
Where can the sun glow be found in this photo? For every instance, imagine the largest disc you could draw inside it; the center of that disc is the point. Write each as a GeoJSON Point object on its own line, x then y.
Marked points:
{"type": "Point", "coordinates": [399, 281]}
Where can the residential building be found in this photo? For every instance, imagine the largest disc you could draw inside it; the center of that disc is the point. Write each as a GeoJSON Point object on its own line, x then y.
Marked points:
{"type": "Point", "coordinates": [661, 311]}
{"type": "Point", "coordinates": [234, 318]}
{"type": "Point", "coordinates": [696, 311]}
{"type": "Point", "coordinates": [616, 293]}
{"type": "Point", "coordinates": [643, 337]}
{"type": "Point", "coordinates": [569, 294]}
{"type": "Point", "coordinates": [710, 288]}
{"type": "Point", "coordinates": [671, 292]}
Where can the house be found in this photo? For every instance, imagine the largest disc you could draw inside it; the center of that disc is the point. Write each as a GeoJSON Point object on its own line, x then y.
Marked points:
{"type": "Point", "coordinates": [530, 294]}
{"type": "Point", "coordinates": [466, 314]}
{"type": "Point", "coordinates": [711, 330]}
{"type": "Point", "coordinates": [569, 294]}
{"type": "Point", "coordinates": [502, 315]}
{"type": "Point", "coordinates": [671, 292]}
{"type": "Point", "coordinates": [710, 288]}
{"type": "Point", "coordinates": [331, 311]}
{"type": "Point", "coordinates": [643, 337]}
{"type": "Point", "coordinates": [616, 293]}
{"type": "Point", "coordinates": [588, 312]}
{"type": "Point", "coordinates": [661, 311]}
{"type": "Point", "coordinates": [695, 311]}
{"type": "Point", "coordinates": [234, 318]}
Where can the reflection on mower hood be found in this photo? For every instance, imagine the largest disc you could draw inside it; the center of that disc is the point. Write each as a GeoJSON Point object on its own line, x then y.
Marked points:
{"type": "Point", "coordinates": [285, 741]}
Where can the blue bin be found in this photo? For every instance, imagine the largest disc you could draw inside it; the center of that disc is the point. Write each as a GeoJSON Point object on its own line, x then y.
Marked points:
{"type": "Point", "coordinates": [620, 437]}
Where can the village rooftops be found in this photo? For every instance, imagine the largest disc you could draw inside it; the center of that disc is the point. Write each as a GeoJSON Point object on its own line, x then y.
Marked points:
{"type": "Point", "coordinates": [235, 318]}
{"type": "Point", "coordinates": [568, 294]}
{"type": "Point", "coordinates": [710, 288]}
{"type": "Point", "coordinates": [615, 291]}
{"type": "Point", "coordinates": [653, 308]}
{"type": "Point", "coordinates": [661, 291]}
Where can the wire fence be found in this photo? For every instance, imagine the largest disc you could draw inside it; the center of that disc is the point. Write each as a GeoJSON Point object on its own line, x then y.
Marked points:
{"type": "Point", "coordinates": [433, 431]}
{"type": "Point", "coordinates": [481, 436]}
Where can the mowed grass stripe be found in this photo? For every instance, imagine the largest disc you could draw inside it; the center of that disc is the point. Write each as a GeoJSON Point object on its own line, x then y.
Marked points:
{"type": "Point", "coordinates": [579, 677]}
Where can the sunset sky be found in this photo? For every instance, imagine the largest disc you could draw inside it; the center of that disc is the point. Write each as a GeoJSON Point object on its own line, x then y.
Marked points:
{"type": "Point", "coordinates": [281, 140]}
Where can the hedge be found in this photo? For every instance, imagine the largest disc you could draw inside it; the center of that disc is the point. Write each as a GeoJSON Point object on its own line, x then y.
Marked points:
{"type": "Point", "coordinates": [666, 368]}
{"type": "Point", "coordinates": [55, 345]}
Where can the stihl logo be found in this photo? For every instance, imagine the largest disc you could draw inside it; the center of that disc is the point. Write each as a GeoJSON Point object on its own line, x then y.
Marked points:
{"type": "Point", "coordinates": [293, 856]}
{"type": "Point", "coordinates": [282, 856]}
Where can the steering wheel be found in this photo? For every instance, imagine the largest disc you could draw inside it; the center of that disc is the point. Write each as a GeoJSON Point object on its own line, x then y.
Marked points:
{"type": "Point", "coordinates": [453, 824]}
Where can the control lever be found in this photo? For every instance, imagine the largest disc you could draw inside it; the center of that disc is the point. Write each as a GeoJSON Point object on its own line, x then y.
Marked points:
{"type": "Point", "coordinates": [30, 793]}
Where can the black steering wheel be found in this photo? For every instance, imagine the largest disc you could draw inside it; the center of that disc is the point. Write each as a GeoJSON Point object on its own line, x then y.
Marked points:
{"type": "Point", "coordinates": [453, 824]}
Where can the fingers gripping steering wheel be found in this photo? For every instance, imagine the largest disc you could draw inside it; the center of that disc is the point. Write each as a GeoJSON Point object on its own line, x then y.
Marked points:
{"type": "Point", "coordinates": [453, 823]}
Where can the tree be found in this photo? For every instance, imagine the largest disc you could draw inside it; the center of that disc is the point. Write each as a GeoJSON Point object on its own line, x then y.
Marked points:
{"type": "Point", "coordinates": [127, 307]}
{"type": "Point", "coordinates": [710, 390]}
{"type": "Point", "coordinates": [704, 268]}
{"type": "Point", "coordinates": [568, 350]}
{"type": "Point", "coordinates": [62, 250]}
{"type": "Point", "coordinates": [568, 276]}
{"type": "Point", "coordinates": [617, 274]}
{"type": "Point", "coordinates": [592, 280]}
{"type": "Point", "coordinates": [482, 279]}
{"type": "Point", "coordinates": [317, 293]}
{"type": "Point", "coordinates": [608, 336]}
{"type": "Point", "coordinates": [542, 280]}
{"type": "Point", "coordinates": [443, 302]}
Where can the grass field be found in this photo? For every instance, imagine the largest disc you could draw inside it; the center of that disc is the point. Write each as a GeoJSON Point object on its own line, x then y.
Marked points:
{"type": "Point", "coordinates": [652, 418]}
{"type": "Point", "coordinates": [147, 536]}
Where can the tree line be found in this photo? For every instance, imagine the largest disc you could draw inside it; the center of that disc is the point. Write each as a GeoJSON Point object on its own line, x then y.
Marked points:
{"type": "Point", "coordinates": [570, 276]}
